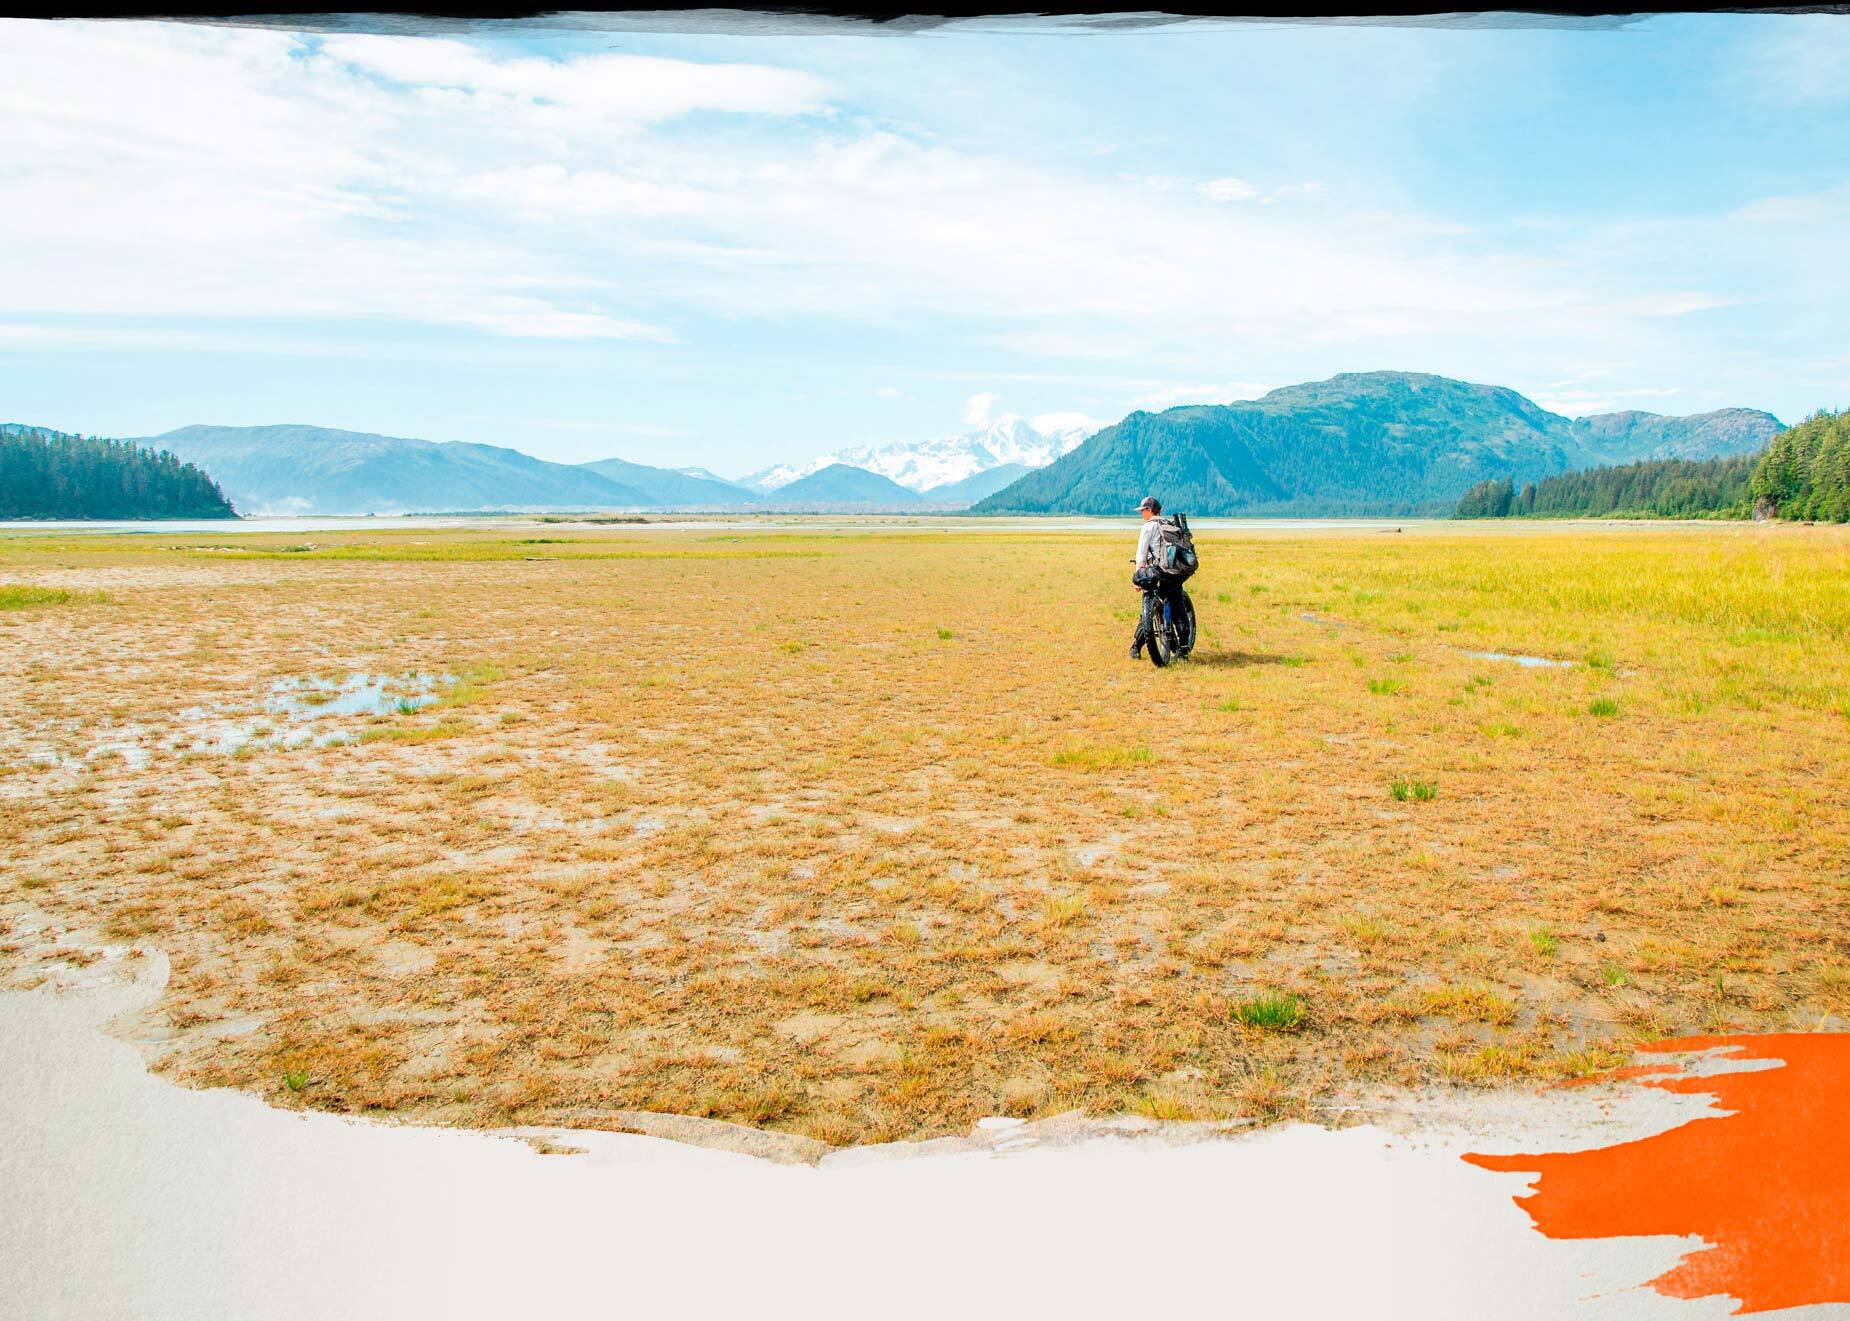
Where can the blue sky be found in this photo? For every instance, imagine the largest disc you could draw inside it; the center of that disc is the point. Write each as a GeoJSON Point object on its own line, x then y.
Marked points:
{"type": "Point", "coordinates": [732, 251]}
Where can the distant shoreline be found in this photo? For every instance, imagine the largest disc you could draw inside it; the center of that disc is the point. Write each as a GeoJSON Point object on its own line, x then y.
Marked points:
{"type": "Point", "coordinates": [845, 522]}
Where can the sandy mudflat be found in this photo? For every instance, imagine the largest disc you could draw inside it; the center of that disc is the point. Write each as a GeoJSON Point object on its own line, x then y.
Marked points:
{"type": "Point", "coordinates": [129, 1197]}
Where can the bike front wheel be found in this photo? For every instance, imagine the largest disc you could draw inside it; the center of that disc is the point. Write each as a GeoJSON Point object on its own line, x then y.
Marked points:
{"type": "Point", "coordinates": [1162, 637]}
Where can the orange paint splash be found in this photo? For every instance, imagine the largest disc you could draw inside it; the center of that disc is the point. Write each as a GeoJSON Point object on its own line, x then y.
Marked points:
{"type": "Point", "coordinates": [1767, 1187]}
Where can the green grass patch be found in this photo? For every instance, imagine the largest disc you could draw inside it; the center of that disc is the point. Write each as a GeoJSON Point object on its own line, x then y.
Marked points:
{"type": "Point", "coordinates": [1416, 791]}
{"type": "Point", "coordinates": [467, 688]}
{"type": "Point", "coordinates": [1364, 929]}
{"type": "Point", "coordinates": [1271, 1011]}
{"type": "Point", "coordinates": [412, 733]}
{"type": "Point", "coordinates": [1603, 707]}
{"type": "Point", "coordinates": [1062, 910]}
{"type": "Point", "coordinates": [1470, 1004]}
{"type": "Point", "coordinates": [1102, 756]}
{"type": "Point", "coordinates": [14, 596]}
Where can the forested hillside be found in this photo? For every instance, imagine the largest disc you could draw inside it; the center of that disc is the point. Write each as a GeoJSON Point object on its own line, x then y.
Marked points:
{"type": "Point", "coordinates": [48, 474]}
{"type": "Point", "coordinates": [1365, 443]}
{"type": "Point", "coordinates": [1657, 488]}
{"type": "Point", "coordinates": [1632, 436]}
{"type": "Point", "coordinates": [1806, 471]}
{"type": "Point", "coordinates": [1803, 474]}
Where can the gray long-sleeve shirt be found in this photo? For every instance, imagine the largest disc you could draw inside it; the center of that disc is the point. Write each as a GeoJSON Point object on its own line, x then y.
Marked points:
{"type": "Point", "coordinates": [1146, 544]}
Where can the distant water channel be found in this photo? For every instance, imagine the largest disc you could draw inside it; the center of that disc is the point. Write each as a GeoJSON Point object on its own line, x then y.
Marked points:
{"type": "Point", "coordinates": [667, 521]}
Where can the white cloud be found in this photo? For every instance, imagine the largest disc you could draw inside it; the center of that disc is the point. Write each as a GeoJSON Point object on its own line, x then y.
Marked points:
{"type": "Point", "coordinates": [236, 173]}
{"type": "Point", "coordinates": [1581, 403]}
{"type": "Point", "coordinates": [1803, 58]}
{"type": "Point", "coordinates": [1049, 423]}
{"type": "Point", "coordinates": [1670, 304]}
{"type": "Point", "coordinates": [240, 173]}
{"type": "Point", "coordinates": [551, 323]}
{"type": "Point", "coordinates": [977, 410]}
{"type": "Point", "coordinates": [634, 89]}
{"type": "Point", "coordinates": [1226, 190]}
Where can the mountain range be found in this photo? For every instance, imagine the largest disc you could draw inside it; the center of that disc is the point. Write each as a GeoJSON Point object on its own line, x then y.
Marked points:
{"type": "Point", "coordinates": [681, 487]}
{"type": "Point", "coordinates": [840, 486]}
{"type": "Point", "coordinates": [291, 469]}
{"type": "Point", "coordinates": [296, 469]}
{"type": "Point", "coordinates": [1359, 444]}
{"type": "Point", "coordinates": [930, 466]}
{"type": "Point", "coordinates": [1632, 436]}
{"type": "Point", "coordinates": [1372, 443]}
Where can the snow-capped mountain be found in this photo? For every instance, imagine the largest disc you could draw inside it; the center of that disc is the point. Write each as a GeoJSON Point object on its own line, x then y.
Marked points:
{"type": "Point", "coordinates": [921, 465]}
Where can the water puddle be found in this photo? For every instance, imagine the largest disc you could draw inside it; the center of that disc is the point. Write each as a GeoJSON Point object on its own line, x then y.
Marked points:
{"type": "Point", "coordinates": [131, 754]}
{"type": "Point", "coordinates": [313, 698]}
{"type": "Point", "coordinates": [128, 752]}
{"type": "Point", "coordinates": [1527, 662]}
{"type": "Point", "coordinates": [1765, 1184]}
{"type": "Point", "coordinates": [295, 709]}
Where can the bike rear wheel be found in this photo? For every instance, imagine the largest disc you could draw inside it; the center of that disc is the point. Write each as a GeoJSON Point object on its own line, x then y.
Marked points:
{"type": "Point", "coordinates": [1183, 613]}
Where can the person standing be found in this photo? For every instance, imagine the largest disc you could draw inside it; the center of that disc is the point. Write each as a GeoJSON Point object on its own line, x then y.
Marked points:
{"type": "Point", "coordinates": [1147, 578]}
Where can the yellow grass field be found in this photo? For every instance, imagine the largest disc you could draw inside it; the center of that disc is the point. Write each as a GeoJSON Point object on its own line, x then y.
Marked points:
{"type": "Point", "coordinates": [864, 831]}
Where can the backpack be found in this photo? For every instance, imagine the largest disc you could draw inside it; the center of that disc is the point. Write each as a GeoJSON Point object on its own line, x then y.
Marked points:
{"type": "Point", "coordinates": [1175, 548]}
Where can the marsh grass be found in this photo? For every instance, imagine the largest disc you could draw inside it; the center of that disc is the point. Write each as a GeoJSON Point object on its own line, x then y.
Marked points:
{"type": "Point", "coordinates": [1062, 910]}
{"type": "Point", "coordinates": [1364, 928]}
{"type": "Point", "coordinates": [1475, 1004]}
{"type": "Point", "coordinates": [1103, 756]}
{"type": "Point", "coordinates": [1271, 1011]}
{"type": "Point", "coordinates": [654, 860]}
{"type": "Point", "coordinates": [1415, 791]}
{"type": "Point", "coordinates": [16, 597]}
